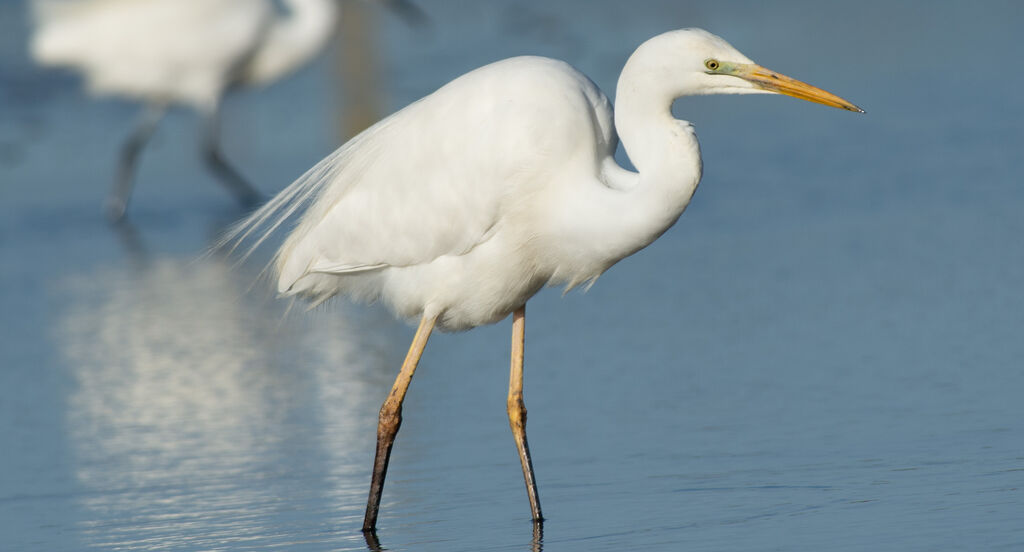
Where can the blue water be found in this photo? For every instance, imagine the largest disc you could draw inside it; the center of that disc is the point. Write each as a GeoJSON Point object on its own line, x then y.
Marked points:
{"type": "Point", "coordinates": [824, 353]}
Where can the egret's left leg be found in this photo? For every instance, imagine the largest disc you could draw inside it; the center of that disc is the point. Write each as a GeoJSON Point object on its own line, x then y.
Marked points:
{"type": "Point", "coordinates": [517, 409]}
{"type": "Point", "coordinates": [390, 418]}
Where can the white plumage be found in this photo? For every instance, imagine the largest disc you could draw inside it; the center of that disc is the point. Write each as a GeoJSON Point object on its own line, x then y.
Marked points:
{"type": "Point", "coordinates": [468, 201]}
{"type": "Point", "coordinates": [382, 228]}
{"type": "Point", "coordinates": [461, 206]}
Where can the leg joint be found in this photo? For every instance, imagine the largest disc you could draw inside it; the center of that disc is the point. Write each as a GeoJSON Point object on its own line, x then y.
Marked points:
{"type": "Point", "coordinates": [390, 418]}
{"type": "Point", "coordinates": [517, 411]}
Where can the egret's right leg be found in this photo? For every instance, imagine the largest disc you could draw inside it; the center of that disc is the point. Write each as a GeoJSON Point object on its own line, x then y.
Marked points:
{"type": "Point", "coordinates": [117, 203]}
{"type": "Point", "coordinates": [391, 418]}
{"type": "Point", "coordinates": [517, 410]}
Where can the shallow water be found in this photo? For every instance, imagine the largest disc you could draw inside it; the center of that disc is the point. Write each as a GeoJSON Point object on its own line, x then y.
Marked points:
{"type": "Point", "coordinates": [824, 353]}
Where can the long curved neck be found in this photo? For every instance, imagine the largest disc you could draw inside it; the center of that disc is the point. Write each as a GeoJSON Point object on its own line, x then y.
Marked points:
{"type": "Point", "coordinates": [292, 40]}
{"type": "Point", "coordinates": [659, 145]}
{"type": "Point", "coordinates": [628, 210]}
{"type": "Point", "coordinates": [663, 149]}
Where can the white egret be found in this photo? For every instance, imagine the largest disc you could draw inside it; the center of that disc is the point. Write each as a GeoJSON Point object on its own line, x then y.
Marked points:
{"type": "Point", "coordinates": [164, 52]}
{"type": "Point", "coordinates": [460, 207]}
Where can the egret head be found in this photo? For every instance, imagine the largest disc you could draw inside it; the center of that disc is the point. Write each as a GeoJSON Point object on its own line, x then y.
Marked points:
{"type": "Point", "coordinates": [698, 62]}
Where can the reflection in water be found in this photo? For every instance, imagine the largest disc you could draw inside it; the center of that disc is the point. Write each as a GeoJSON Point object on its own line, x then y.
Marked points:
{"type": "Point", "coordinates": [197, 406]}
{"type": "Point", "coordinates": [536, 543]}
{"type": "Point", "coordinates": [131, 242]}
{"type": "Point", "coordinates": [372, 542]}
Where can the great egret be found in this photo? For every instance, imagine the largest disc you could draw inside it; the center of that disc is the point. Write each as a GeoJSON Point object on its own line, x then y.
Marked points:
{"type": "Point", "coordinates": [461, 206]}
{"type": "Point", "coordinates": [165, 52]}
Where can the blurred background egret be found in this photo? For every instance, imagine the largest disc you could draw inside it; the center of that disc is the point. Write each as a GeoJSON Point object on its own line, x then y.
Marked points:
{"type": "Point", "coordinates": [845, 369]}
{"type": "Point", "coordinates": [181, 52]}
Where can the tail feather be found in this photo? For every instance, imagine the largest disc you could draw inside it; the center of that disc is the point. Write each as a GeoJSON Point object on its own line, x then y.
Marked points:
{"type": "Point", "coordinates": [261, 224]}
{"type": "Point", "coordinates": [306, 200]}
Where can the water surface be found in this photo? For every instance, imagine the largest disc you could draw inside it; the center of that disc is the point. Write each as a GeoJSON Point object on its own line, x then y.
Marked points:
{"type": "Point", "coordinates": [824, 353]}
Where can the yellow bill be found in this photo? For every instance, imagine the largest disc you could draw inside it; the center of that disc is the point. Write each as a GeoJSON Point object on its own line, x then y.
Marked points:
{"type": "Point", "coordinates": [770, 80]}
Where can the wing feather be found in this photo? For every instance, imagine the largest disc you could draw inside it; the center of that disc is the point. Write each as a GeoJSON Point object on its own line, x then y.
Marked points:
{"type": "Point", "coordinates": [432, 180]}
{"type": "Point", "coordinates": [395, 195]}
{"type": "Point", "coordinates": [332, 174]}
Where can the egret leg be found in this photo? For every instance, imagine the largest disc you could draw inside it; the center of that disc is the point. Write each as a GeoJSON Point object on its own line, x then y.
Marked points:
{"type": "Point", "coordinates": [246, 195]}
{"type": "Point", "coordinates": [117, 202]}
{"type": "Point", "coordinates": [517, 409]}
{"type": "Point", "coordinates": [391, 418]}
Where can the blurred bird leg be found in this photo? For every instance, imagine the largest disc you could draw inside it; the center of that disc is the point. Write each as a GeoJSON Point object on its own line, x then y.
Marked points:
{"type": "Point", "coordinates": [246, 195]}
{"type": "Point", "coordinates": [117, 202]}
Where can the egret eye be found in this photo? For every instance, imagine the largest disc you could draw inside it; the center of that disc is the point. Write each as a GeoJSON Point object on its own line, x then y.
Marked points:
{"type": "Point", "coordinates": [712, 64]}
